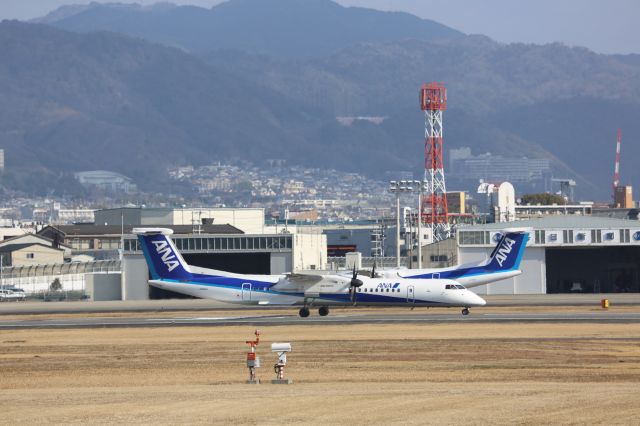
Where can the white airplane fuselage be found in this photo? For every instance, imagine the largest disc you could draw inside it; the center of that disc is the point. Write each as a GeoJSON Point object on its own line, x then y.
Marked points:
{"type": "Point", "coordinates": [331, 290]}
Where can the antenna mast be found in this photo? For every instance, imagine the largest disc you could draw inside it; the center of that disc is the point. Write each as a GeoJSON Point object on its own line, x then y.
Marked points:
{"type": "Point", "coordinates": [435, 213]}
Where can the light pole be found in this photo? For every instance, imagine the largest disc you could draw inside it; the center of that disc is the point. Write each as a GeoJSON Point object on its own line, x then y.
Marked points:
{"type": "Point", "coordinates": [407, 186]}
{"type": "Point", "coordinates": [419, 187]}
{"type": "Point", "coordinates": [398, 187]}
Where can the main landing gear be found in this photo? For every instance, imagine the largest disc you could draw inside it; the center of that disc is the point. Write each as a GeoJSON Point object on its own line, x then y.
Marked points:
{"type": "Point", "coordinates": [465, 311]}
{"type": "Point", "coordinates": [304, 312]}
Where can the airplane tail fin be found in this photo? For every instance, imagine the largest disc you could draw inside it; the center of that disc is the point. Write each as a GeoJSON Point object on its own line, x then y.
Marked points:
{"type": "Point", "coordinates": [163, 259]}
{"type": "Point", "coordinates": [507, 254]}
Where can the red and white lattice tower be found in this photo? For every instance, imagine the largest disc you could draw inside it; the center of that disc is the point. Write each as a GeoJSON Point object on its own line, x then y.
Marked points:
{"type": "Point", "coordinates": [435, 213]}
{"type": "Point", "coordinates": [616, 167]}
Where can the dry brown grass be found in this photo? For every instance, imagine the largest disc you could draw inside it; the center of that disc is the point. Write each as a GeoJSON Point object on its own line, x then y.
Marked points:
{"type": "Point", "coordinates": [470, 373]}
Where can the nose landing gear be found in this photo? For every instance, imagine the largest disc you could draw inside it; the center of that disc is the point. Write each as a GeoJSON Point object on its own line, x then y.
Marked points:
{"type": "Point", "coordinates": [323, 311]}
{"type": "Point", "coordinates": [465, 311]}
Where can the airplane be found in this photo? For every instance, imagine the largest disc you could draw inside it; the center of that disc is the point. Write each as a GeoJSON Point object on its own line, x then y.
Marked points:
{"type": "Point", "coordinates": [503, 262]}
{"type": "Point", "coordinates": [169, 271]}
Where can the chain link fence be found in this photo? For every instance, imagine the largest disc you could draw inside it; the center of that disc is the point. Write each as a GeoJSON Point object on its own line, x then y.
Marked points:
{"type": "Point", "coordinates": [37, 280]}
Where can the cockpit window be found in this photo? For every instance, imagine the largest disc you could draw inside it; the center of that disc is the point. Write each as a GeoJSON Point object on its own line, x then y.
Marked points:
{"type": "Point", "coordinates": [454, 287]}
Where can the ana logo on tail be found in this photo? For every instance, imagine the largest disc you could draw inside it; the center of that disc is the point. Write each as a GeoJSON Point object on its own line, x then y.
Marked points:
{"type": "Point", "coordinates": [168, 257]}
{"type": "Point", "coordinates": [504, 250]}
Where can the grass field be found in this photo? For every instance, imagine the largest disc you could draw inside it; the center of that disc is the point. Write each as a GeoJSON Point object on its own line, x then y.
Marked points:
{"type": "Point", "coordinates": [473, 373]}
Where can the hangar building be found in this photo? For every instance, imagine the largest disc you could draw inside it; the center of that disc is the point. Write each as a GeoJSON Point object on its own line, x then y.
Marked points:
{"type": "Point", "coordinates": [234, 240]}
{"type": "Point", "coordinates": [565, 254]}
{"type": "Point", "coordinates": [229, 251]}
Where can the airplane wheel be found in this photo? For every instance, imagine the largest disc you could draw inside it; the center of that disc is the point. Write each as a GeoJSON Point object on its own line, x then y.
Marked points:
{"type": "Point", "coordinates": [323, 311]}
{"type": "Point", "coordinates": [304, 312]}
{"type": "Point", "coordinates": [465, 311]}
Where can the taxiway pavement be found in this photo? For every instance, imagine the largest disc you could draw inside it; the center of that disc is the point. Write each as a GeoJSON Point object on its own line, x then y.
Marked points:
{"type": "Point", "coordinates": [339, 318]}
{"type": "Point", "coordinates": [169, 305]}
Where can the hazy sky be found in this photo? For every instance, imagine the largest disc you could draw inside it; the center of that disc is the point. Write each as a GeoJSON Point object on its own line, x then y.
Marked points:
{"type": "Point", "coordinates": [607, 26]}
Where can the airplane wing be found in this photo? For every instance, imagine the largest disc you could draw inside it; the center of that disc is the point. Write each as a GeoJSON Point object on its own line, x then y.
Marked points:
{"type": "Point", "coordinates": [305, 278]}
{"type": "Point", "coordinates": [312, 285]}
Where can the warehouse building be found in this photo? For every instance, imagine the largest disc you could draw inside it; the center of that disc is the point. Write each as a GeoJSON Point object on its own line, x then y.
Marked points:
{"type": "Point", "coordinates": [565, 254]}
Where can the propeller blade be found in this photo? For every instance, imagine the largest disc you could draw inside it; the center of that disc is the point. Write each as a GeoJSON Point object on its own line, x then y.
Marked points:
{"type": "Point", "coordinates": [353, 285]}
{"type": "Point", "coordinates": [373, 270]}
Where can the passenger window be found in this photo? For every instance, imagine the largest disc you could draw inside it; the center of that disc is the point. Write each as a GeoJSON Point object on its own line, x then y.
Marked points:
{"type": "Point", "coordinates": [387, 290]}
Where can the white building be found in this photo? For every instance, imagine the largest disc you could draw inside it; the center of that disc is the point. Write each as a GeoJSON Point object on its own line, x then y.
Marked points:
{"type": "Point", "coordinates": [249, 220]}
{"type": "Point", "coordinates": [565, 254]}
{"type": "Point", "coordinates": [496, 168]}
{"type": "Point", "coordinates": [105, 180]}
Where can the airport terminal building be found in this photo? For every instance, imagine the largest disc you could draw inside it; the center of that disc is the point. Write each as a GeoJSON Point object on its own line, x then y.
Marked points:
{"type": "Point", "coordinates": [565, 254]}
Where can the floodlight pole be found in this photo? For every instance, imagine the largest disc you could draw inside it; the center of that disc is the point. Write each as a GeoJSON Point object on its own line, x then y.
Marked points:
{"type": "Point", "coordinates": [394, 186]}
{"type": "Point", "coordinates": [420, 185]}
{"type": "Point", "coordinates": [399, 187]}
{"type": "Point", "coordinates": [398, 230]}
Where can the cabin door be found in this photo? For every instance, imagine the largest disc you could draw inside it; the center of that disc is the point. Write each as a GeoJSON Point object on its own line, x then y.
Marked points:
{"type": "Point", "coordinates": [411, 295]}
{"type": "Point", "coordinates": [246, 291]}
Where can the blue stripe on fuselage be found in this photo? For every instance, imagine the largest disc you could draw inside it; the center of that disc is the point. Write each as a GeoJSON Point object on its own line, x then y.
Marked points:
{"type": "Point", "coordinates": [265, 288]}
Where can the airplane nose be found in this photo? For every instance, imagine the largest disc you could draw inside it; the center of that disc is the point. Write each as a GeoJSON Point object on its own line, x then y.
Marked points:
{"type": "Point", "coordinates": [475, 299]}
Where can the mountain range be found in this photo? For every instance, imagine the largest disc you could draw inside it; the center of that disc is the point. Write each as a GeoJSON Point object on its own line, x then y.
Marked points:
{"type": "Point", "coordinates": [256, 79]}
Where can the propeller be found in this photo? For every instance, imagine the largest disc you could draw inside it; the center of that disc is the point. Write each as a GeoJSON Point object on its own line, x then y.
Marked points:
{"type": "Point", "coordinates": [373, 270]}
{"type": "Point", "coordinates": [353, 285]}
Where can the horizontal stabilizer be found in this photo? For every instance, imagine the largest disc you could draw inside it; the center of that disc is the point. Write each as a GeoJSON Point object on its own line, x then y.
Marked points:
{"type": "Point", "coordinates": [152, 231]}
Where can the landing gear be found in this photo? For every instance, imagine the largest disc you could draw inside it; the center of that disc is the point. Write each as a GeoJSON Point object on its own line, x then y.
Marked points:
{"type": "Point", "coordinates": [465, 311]}
{"type": "Point", "coordinates": [304, 312]}
{"type": "Point", "coordinates": [323, 311]}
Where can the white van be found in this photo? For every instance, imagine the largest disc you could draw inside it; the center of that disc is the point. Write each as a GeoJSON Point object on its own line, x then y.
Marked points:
{"type": "Point", "coordinates": [10, 295]}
